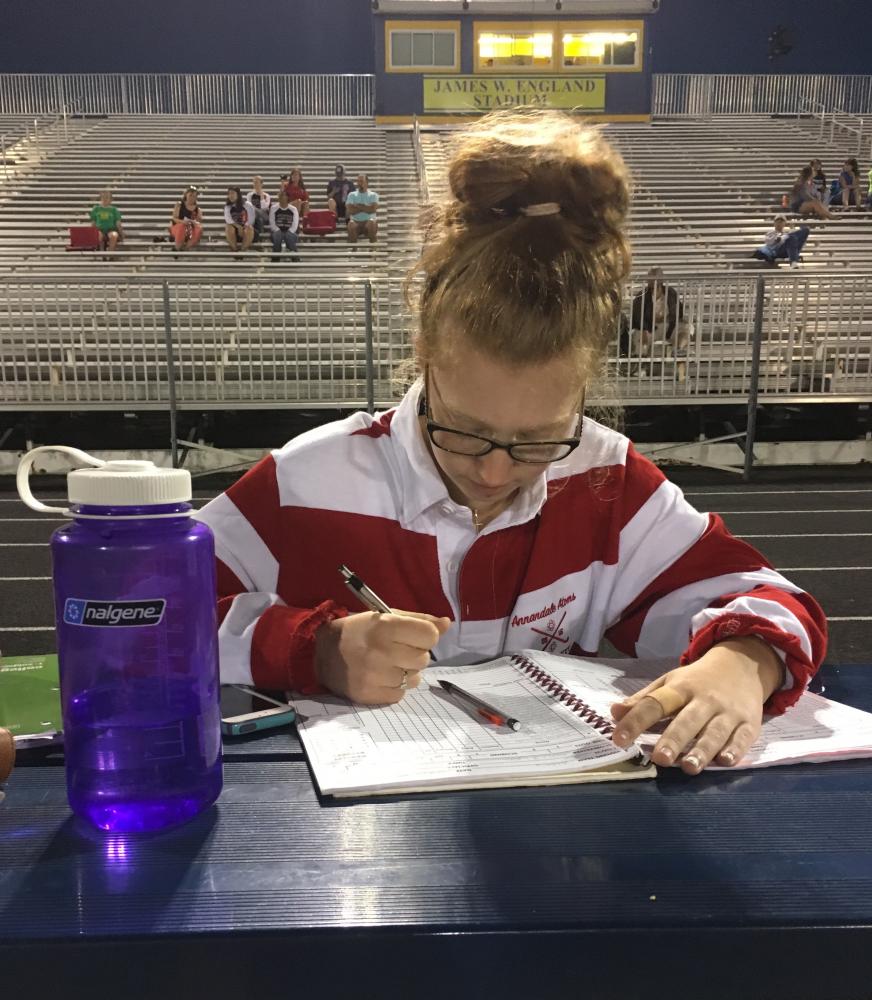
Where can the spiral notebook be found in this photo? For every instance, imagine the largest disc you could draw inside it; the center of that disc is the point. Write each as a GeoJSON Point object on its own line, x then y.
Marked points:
{"type": "Point", "coordinates": [428, 742]}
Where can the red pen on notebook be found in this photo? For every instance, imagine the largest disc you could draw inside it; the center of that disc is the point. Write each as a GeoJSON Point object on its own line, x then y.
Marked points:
{"type": "Point", "coordinates": [480, 707]}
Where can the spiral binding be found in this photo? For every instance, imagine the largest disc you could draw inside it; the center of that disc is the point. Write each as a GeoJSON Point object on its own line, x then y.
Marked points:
{"type": "Point", "coordinates": [564, 695]}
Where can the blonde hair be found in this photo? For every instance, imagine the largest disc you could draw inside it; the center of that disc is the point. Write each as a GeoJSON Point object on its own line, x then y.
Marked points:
{"type": "Point", "coordinates": [523, 287]}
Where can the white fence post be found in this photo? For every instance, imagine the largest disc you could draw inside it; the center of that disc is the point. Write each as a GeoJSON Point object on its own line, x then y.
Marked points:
{"type": "Point", "coordinates": [331, 95]}
{"type": "Point", "coordinates": [702, 95]}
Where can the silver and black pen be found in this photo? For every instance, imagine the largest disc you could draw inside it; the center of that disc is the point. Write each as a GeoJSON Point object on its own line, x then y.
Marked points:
{"type": "Point", "coordinates": [371, 600]}
{"type": "Point", "coordinates": [366, 595]}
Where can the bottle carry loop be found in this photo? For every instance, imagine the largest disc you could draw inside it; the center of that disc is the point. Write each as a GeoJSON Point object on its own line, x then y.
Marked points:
{"type": "Point", "coordinates": [22, 478]}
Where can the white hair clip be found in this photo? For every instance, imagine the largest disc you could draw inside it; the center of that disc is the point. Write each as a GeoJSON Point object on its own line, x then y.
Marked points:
{"type": "Point", "coordinates": [546, 208]}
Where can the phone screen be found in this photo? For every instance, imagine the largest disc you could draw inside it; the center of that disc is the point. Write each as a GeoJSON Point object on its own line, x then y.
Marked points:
{"type": "Point", "coordinates": [235, 702]}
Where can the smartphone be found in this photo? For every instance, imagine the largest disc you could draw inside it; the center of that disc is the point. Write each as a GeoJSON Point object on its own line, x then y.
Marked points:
{"type": "Point", "coordinates": [244, 710]}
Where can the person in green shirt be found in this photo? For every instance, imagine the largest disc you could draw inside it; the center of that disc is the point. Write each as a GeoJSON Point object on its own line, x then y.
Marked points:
{"type": "Point", "coordinates": [107, 219]}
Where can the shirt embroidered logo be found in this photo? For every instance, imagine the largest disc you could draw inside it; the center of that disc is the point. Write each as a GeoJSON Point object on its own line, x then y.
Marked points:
{"type": "Point", "coordinates": [554, 635]}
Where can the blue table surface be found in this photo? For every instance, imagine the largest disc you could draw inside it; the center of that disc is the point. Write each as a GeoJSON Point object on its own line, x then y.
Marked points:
{"type": "Point", "coordinates": [785, 849]}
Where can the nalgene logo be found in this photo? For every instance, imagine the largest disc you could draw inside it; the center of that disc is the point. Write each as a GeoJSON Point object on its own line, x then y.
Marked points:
{"type": "Point", "coordinates": [122, 614]}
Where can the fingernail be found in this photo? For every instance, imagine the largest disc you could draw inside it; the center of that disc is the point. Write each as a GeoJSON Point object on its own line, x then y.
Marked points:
{"type": "Point", "coordinates": [692, 762]}
{"type": "Point", "coordinates": [728, 758]}
{"type": "Point", "coordinates": [621, 736]}
{"type": "Point", "coordinates": [666, 754]}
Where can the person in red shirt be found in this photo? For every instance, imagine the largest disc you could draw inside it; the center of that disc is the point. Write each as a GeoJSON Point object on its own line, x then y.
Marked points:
{"type": "Point", "coordinates": [488, 506]}
{"type": "Point", "coordinates": [294, 184]}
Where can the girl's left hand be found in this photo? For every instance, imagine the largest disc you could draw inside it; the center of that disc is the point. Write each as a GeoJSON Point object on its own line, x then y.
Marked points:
{"type": "Point", "coordinates": [718, 703]}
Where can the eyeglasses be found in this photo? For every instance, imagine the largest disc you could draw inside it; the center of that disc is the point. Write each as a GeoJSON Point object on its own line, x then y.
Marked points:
{"type": "Point", "coordinates": [476, 446]}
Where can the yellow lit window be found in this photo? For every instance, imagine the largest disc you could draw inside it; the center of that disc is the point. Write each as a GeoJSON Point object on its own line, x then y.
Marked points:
{"type": "Point", "coordinates": [600, 48]}
{"type": "Point", "coordinates": [506, 49]}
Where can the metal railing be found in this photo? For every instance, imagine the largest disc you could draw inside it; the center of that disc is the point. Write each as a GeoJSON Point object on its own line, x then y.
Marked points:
{"type": "Point", "coordinates": [91, 344]}
{"type": "Point", "coordinates": [333, 95]}
{"type": "Point", "coordinates": [814, 342]}
{"type": "Point", "coordinates": [420, 165]}
{"type": "Point", "coordinates": [30, 134]}
{"type": "Point", "coordinates": [202, 344]}
{"type": "Point", "coordinates": [856, 125]}
{"type": "Point", "coordinates": [690, 95]}
{"type": "Point", "coordinates": [807, 108]}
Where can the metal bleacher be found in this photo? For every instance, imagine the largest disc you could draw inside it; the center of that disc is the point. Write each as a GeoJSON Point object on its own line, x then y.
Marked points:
{"type": "Point", "coordinates": [87, 329]}
{"type": "Point", "coordinates": [92, 330]}
{"type": "Point", "coordinates": [704, 195]}
{"type": "Point", "coordinates": [705, 192]}
{"type": "Point", "coordinates": [147, 161]}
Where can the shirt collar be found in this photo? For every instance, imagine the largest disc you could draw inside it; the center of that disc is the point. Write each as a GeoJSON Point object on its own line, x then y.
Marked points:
{"type": "Point", "coordinates": [422, 486]}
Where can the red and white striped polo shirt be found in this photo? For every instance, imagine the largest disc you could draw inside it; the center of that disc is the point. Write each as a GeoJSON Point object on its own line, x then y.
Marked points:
{"type": "Point", "coordinates": [601, 545]}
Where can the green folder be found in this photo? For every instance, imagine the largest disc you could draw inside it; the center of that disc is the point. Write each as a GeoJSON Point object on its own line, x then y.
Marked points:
{"type": "Point", "coordinates": [30, 700]}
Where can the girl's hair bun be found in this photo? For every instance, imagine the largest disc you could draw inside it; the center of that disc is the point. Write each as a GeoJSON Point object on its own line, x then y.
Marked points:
{"type": "Point", "coordinates": [552, 276]}
{"type": "Point", "coordinates": [512, 159]}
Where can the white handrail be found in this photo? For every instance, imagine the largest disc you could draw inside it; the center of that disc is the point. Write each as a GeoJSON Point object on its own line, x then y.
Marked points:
{"type": "Point", "coordinates": [837, 118]}
{"type": "Point", "coordinates": [695, 95]}
{"type": "Point", "coordinates": [322, 94]}
{"type": "Point", "coordinates": [419, 161]}
{"type": "Point", "coordinates": [816, 334]}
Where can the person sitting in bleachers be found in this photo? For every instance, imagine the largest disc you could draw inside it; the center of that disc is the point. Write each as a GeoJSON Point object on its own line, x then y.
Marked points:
{"type": "Point", "coordinates": [781, 245]}
{"type": "Point", "coordinates": [260, 200]}
{"type": "Point", "coordinates": [284, 221]}
{"type": "Point", "coordinates": [238, 220]}
{"type": "Point", "coordinates": [846, 187]}
{"type": "Point", "coordinates": [186, 227]}
{"type": "Point", "coordinates": [338, 189]}
{"type": "Point", "coordinates": [803, 199]}
{"type": "Point", "coordinates": [298, 196]}
{"type": "Point", "coordinates": [362, 205]}
{"type": "Point", "coordinates": [107, 220]}
{"type": "Point", "coordinates": [658, 311]}
{"type": "Point", "coordinates": [819, 180]}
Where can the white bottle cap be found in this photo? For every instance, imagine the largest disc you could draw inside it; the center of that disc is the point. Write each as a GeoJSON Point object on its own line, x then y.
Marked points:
{"type": "Point", "coordinates": [129, 484]}
{"type": "Point", "coordinates": [109, 484]}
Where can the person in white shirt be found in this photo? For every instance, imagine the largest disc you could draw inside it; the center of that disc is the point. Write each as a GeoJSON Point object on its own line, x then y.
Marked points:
{"type": "Point", "coordinates": [239, 220]}
{"type": "Point", "coordinates": [284, 221]}
{"type": "Point", "coordinates": [260, 199]}
{"type": "Point", "coordinates": [361, 206]}
{"type": "Point", "coordinates": [781, 245]}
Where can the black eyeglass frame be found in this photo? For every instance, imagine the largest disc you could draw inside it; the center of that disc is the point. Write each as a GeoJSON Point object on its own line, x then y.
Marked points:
{"type": "Point", "coordinates": [570, 443]}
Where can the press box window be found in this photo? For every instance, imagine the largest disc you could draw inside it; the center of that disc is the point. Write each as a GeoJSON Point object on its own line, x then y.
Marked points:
{"type": "Point", "coordinates": [423, 49]}
{"type": "Point", "coordinates": [600, 48]}
{"type": "Point", "coordinates": [503, 50]}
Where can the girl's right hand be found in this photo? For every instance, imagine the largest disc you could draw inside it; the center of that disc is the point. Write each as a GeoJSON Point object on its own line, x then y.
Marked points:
{"type": "Point", "coordinates": [366, 657]}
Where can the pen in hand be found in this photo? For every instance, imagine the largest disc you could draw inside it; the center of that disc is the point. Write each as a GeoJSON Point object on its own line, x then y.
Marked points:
{"type": "Point", "coordinates": [480, 707]}
{"type": "Point", "coordinates": [366, 596]}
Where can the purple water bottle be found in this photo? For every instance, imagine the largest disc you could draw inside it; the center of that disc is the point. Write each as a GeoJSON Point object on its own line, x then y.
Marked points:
{"type": "Point", "coordinates": [134, 585]}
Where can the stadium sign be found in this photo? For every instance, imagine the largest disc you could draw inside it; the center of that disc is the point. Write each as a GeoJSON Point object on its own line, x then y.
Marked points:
{"type": "Point", "coordinates": [485, 93]}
